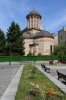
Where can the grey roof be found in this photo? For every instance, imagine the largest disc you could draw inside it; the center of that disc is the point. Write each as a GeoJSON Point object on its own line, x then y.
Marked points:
{"type": "Point", "coordinates": [27, 35]}
{"type": "Point", "coordinates": [33, 12]}
{"type": "Point", "coordinates": [43, 33]}
{"type": "Point", "coordinates": [38, 34]}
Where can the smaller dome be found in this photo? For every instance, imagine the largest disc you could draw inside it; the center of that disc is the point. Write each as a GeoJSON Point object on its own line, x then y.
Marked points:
{"type": "Point", "coordinates": [26, 35]}
{"type": "Point", "coordinates": [42, 33]}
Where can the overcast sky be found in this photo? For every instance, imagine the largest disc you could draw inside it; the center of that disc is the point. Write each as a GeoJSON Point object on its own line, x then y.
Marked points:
{"type": "Point", "coordinates": [53, 13]}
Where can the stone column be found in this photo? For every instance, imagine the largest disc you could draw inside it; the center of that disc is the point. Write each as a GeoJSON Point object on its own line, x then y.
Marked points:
{"type": "Point", "coordinates": [33, 21]}
{"type": "Point", "coordinates": [28, 23]}
{"type": "Point", "coordinates": [38, 22]}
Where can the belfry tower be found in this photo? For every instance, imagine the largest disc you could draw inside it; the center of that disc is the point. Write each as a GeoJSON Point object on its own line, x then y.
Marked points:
{"type": "Point", "coordinates": [33, 23]}
{"type": "Point", "coordinates": [33, 19]}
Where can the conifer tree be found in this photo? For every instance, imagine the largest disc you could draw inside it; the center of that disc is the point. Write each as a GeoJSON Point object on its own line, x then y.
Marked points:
{"type": "Point", "coordinates": [2, 43]}
{"type": "Point", "coordinates": [15, 40]}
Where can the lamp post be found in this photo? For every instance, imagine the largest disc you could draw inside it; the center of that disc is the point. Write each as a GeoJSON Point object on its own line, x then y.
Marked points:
{"type": "Point", "coordinates": [10, 55]}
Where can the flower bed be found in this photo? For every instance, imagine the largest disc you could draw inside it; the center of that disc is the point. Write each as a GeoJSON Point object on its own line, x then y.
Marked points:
{"type": "Point", "coordinates": [34, 85]}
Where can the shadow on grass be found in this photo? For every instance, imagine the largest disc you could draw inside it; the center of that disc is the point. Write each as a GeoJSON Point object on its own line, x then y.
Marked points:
{"type": "Point", "coordinates": [53, 97]}
{"type": "Point", "coordinates": [31, 77]}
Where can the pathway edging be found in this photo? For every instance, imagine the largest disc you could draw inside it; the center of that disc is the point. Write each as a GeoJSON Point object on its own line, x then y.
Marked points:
{"type": "Point", "coordinates": [12, 88]}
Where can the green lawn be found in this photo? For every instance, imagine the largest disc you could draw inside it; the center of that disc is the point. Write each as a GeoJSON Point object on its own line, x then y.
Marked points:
{"type": "Point", "coordinates": [33, 80]}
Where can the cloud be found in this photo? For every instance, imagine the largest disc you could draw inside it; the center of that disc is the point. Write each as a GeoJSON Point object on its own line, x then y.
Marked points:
{"type": "Point", "coordinates": [12, 10]}
{"type": "Point", "coordinates": [6, 8]}
{"type": "Point", "coordinates": [18, 9]}
{"type": "Point", "coordinates": [24, 6]}
{"type": "Point", "coordinates": [12, 7]}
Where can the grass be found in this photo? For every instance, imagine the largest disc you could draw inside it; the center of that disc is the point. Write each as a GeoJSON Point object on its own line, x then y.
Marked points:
{"type": "Point", "coordinates": [31, 78]}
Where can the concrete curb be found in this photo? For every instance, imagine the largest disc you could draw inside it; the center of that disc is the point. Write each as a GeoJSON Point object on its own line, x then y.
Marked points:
{"type": "Point", "coordinates": [12, 88]}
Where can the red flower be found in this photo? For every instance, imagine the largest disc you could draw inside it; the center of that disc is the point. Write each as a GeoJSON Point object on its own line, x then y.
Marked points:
{"type": "Point", "coordinates": [50, 91]}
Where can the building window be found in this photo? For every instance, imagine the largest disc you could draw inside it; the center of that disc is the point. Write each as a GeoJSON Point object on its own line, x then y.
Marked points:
{"type": "Point", "coordinates": [61, 37]}
{"type": "Point", "coordinates": [50, 49]}
{"type": "Point", "coordinates": [35, 24]}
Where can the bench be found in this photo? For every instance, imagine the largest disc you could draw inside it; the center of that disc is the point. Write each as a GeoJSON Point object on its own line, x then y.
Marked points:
{"type": "Point", "coordinates": [60, 75]}
{"type": "Point", "coordinates": [23, 62]}
{"type": "Point", "coordinates": [46, 69]}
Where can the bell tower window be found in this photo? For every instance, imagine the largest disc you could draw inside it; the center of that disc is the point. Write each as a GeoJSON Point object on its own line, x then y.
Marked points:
{"type": "Point", "coordinates": [35, 22]}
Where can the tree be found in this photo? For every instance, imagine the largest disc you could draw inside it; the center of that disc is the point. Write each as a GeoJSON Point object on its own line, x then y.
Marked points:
{"type": "Point", "coordinates": [58, 48]}
{"type": "Point", "coordinates": [2, 43]}
{"type": "Point", "coordinates": [15, 38]}
{"type": "Point", "coordinates": [61, 56]}
{"type": "Point", "coordinates": [65, 48]}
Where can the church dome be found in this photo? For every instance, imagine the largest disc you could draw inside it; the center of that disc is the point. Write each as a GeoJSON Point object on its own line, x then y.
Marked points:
{"type": "Point", "coordinates": [27, 35]}
{"type": "Point", "coordinates": [42, 33]}
{"type": "Point", "coordinates": [34, 12]}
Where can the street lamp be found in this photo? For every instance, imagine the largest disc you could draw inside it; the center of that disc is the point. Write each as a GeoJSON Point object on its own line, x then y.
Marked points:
{"type": "Point", "coordinates": [10, 55]}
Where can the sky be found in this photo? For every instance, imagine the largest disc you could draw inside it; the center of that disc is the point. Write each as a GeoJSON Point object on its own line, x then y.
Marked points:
{"type": "Point", "coordinates": [53, 13]}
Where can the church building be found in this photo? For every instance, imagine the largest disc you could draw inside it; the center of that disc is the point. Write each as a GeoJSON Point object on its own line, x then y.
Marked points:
{"type": "Point", "coordinates": [37, 40]}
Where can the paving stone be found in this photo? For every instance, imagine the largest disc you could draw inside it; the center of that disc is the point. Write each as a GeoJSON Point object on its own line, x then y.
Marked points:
{"type": "Point", "coordinates": [7, 73]}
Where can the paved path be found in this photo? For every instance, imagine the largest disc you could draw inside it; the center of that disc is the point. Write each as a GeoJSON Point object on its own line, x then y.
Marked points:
{"type": "Point", "coordinates": [7, 73]}
{"type": "Point", "coordinates": [61, 69]}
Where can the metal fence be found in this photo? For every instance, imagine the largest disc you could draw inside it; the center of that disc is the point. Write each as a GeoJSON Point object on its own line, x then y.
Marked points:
{"type": "Point", "coordinates": [27, 58]}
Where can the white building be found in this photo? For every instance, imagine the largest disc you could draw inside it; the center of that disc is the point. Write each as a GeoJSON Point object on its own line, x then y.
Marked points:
{"type": "Point", "coordinates": [62, 35]}
{"type": "Point", "coordinates": [37, 40]}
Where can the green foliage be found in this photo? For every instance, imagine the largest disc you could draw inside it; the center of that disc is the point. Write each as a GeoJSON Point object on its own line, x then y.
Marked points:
{"type": "Point", "coordinates": [65, 48]}
{"type": "Point", "coordinates": [60, 51]}
{"type": "Point", "coordinates": [61, 55]}
{"type": "Point", "coordinates": [15, 37]}
{"type": "Point", "coordinates": [2, 43]}
{"type": "Point", "coordinates": [29, 54]}
{"type": "Point", "coordinates": [39, 54]}
{"type": "Point", "coordinates": [58, 48]}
